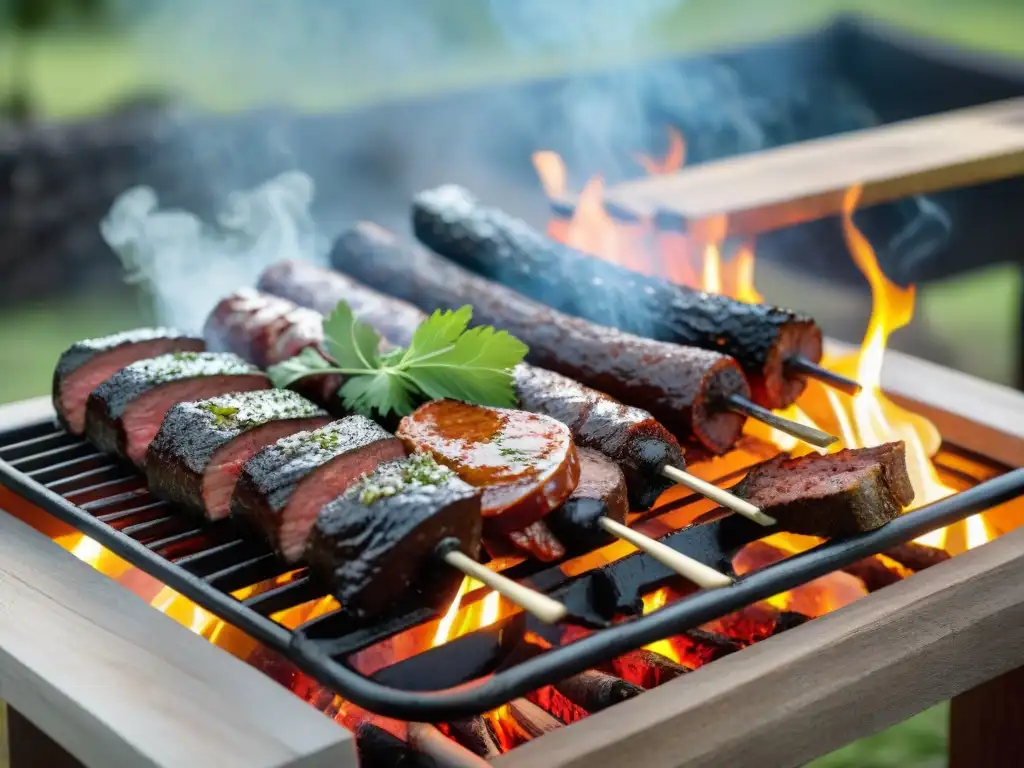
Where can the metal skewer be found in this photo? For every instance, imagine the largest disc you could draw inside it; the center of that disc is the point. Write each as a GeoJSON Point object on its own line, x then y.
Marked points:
{"type": "Point", "coordinates": [540, 605]}
{"type": "Point", "coordinates": [717, 495]}
{"type": "Point", "coordinates": [702, 575]}
{"type": "Point", "coordinates": [801, 432]}
{"type": "Point", "coordinates": [808, 367]}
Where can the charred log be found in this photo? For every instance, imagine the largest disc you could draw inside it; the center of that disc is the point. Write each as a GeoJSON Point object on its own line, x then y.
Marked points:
{"type": "Point", "coordinates": [710, 646]}
{"type": "Point", "coordinates": [378, 748]}
{"type": "Point", "coordinates": [875, 573]}
{"type": "Point", "coordinates": [594, 691]}
{"type": "Point", "coordinates": [787, 620]}
{"type": "Point", "coordinates": [476, 735]}
{"type": "Point", "coordinates": [429, 741]}
{"type": "Point", "coordinates": [917, 557]}
{"type": "Point", "coordinates": [644, 668]}
{"type": "Point", "coordinates": [531, 719]}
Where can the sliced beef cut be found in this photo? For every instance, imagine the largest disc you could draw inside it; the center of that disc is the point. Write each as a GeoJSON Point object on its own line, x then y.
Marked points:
{"type": "Point", "coordinates": [88, 363]}
{"type": "Point", "coordinates": [601, 492]}
{"type": "Point", "coordinates": [535, 540]}
{"type": "Point", "coordinates": [197, 455]}
{"type": "Point", "coordinates": [125, 412]}
{"type": "Point", "coordinates": [379, 541]}
{"type": "Point", "coordinates": [283, 487]}
{"type": "Point", "coordinates": [525, 463]}
{"type": "Point", "coordinates": [837, 494]}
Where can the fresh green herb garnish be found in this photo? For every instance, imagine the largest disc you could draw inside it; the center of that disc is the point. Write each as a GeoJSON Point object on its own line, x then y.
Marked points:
{"type": "Point", "coordinates": [418, 470]}
{"type": "Point", "coordinates": [222, 414]}
{"type": "Point", "coordinates": [445, 359]}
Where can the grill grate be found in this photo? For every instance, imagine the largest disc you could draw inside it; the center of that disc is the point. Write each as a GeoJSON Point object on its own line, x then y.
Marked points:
{"type": "Point", "coordinates": [207, 562]}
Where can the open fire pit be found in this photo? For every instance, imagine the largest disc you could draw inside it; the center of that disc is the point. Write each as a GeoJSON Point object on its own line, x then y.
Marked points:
{"type": "Point", "coordinates": [815, 644]}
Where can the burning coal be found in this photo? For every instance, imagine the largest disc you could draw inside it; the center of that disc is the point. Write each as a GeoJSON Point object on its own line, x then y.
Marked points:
{"type": "Point", "coordinates": [186, 266]}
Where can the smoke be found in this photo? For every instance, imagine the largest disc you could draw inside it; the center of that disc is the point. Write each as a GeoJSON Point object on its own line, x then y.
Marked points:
{"type": "Point", "coordinates": [186, 266]}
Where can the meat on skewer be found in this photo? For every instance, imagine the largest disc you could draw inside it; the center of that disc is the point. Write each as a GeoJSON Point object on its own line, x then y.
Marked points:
{"type": "Point", "coordinates": [88, 363]}
{"type": "Point", "coordinates": [700, 395]}
{"type": "Point", "coordinates": [839, 494]}
{"type": "Point", "coordinates": [379, 539]}
{"type": "Point", "coordinates": [631, 437]}
{"type": "Point", "coordinates": [777, 348]}
{"type": "Point", "coordinates": [197, 455]}
{"type": "Point", "coordinates": [525, 464]}
{"type": "Point", "coordinates": [124, 414]}
{"type": "Point", "coordinates": [283, 487]}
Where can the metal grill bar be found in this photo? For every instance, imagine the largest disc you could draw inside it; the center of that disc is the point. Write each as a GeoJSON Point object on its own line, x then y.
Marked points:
{"type": "Point", "coordinates": [208, 562]}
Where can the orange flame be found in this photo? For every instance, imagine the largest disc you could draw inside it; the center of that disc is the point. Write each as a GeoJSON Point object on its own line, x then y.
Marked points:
{"type": "Point", "coordinates": [653, 602]}
{"type": "Point", "coordinates": [674, 157]}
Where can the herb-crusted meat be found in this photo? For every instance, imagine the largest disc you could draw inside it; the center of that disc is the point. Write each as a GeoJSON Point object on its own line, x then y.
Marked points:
{"type": "Point", "coordinates": [837, 494]}
{"type": "Point", "coordinates": [125, 412]}
{"type": "Point", "coordinates": [683, 387]}
{"type": "Point", "coordinates": [199, 451]}
{"type": "Point", "coordinates": [379, 541]}
{"type": "Point", "coordinates": [452, 222]}
{"type": "Point", "coordinates": [88, 363]}
{"type": "Point", "coordinates": [283, 487]}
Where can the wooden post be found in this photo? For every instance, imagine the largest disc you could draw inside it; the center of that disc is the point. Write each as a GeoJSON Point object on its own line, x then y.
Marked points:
{"type": "Point", "coordinates": [29, 747]}
{"type": "Point", "coordinates": [986, 724]}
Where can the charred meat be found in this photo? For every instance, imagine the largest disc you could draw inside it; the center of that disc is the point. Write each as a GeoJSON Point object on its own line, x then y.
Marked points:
{"type": "Point", "coordinates": [525, 464]}
{"type": "Point", "coordinates": [601, 492]}
{"type": "Point", "coordinates": [839, 494]}
{"type": "Point", "coordinates": [683, 387]}
{"type": "Point", "coordinates": [125, 412]}
{"type": "Point", "coordinates": [381, 539]}
{"type": "Point", "coordinates": [452, 222]}
{"type": "Point", "coordinates": [197, 455]}
{"type": "Point", "coordinates": [283, 487]}
{"type": "Point", "coordinates": [88, 363]}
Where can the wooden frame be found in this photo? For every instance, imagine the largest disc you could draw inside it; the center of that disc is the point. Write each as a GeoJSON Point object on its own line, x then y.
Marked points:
{"type": "Point", "coordinates": [790, 185]}
{"type": "Point", "coordinates": [115, 682]}
{"type": "Point", "coordinates": [904, 648]}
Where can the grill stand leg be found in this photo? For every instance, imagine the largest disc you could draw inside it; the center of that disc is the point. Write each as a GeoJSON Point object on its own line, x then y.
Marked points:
{"type": "Point", "coordinates": [986, 724]}
{"type": "Point", "coordinates": [28, 747]}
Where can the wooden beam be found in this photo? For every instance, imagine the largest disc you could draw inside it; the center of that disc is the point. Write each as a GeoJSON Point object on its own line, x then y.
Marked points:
{"type": "Point", "coordinates": [984, 724]}
{"type": "Point", "coordinates": [117, 683]}
{"type": "Point", "coordinates": [819, 686]}
{"type": "Point", "coordinates": [801, 182]}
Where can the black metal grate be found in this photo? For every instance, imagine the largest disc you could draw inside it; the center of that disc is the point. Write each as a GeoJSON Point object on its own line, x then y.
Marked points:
{"type": "Point", "coordinates": [208, 562]}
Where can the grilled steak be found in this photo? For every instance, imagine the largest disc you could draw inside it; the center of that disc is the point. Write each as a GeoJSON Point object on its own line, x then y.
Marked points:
{"type": "Point", "coordinates": [199, 451]}
{"type": "Point", "coordinates": [125, 412]}
{"type": "Point", "coordinates": [601, 492]}
{"type": "Point", "coordinates": [683, 387]}
{"type": "Point", "coordinates": [535, 540]}
{"type": "Point", "coordinates": [379, 541]}
{"type": "Point", "coordinates": [86, 364]}
{"type": "Point", "coordinates": [839, 494]}
{"type": "Point", "coordinates": [451, 221]}
{"type": "Point", "coordinates": [525, 464]}
{"type": "Point", "coordinates": [630, 436]}
{"type": "Point", "coordinates": [283, 487]}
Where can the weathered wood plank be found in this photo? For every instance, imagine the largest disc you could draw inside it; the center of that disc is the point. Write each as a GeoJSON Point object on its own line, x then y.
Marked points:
{"type": "Point", "coordinates": [117, 683]}
{"type": "Point", "coordinates": [801, 182]}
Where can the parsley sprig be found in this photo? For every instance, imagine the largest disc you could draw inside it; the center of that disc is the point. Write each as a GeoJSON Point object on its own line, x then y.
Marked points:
{"type": "Point", "coordinates": [445, 359]}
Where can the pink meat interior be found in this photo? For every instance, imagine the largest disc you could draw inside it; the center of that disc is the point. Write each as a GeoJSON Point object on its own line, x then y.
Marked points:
{"type": "Point", "coordinates": [81, 382]}
{"type": "Point", "coordinates": [226, 464]}
{"type": "Point", "coordinates": [325, 484]}
{"type": "Point", "coordinates": [143, 417]}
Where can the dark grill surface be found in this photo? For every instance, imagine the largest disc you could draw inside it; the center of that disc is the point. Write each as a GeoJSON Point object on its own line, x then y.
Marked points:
{"type": "Point", "coordinates": [208, 562]}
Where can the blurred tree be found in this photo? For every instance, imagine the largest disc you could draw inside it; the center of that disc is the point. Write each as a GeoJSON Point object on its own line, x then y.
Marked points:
{"type": "Point", "coordinates": [25, 19]}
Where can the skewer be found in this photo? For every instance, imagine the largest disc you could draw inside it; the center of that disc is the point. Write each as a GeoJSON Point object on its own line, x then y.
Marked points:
{"type": "Point", "coordinates": [543, 607]}
{"type": "Point", "coordinates": [837, 381]}
{"type": "Point", "coordinates": [702, 575]}
{"type": "Point", "coordinates": [801, 432]}
{"type": "Point", "coordinates": [717, 495]}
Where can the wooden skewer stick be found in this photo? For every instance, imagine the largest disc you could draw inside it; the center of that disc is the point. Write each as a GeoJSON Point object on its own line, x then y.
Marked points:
{"type": "Point", "coordinates": [543, 607]}
{"type": "Point", "coordinates": [808, 367]}
{"type": "Point", "coordinates": [810, 435]}
{"type": "Point", "coordinates": [702, 575]}
{"type": "Point", "coordinates": [717, 495]}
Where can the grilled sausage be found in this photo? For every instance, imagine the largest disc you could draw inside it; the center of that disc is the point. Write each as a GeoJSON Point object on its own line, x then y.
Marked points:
{"type": "Point", "coordinates": [88, 363]}
{"type": "Point", "coordinates": [683, 387]}
{"type": "Point", "coordinates": [283, 487]}
{"type": "Point", "coordinates": [489, 242]}
{"type": "Point", "coordinates": [379, 540]}
{"type": "Point", "coordinates": [197, 455]}
{"type": "Point", "coordinates": [601, 492]}
{"type": "Point", "coordinates": [124, 413]}
{"type": "Point", "coordinates": [526, 464]}
{"type": "Point", "coordinates": [631, 437]}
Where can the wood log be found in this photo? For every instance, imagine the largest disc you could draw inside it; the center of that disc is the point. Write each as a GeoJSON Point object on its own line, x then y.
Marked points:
{"type": "Point", "coordinates": [378, 748]}
{"type": "Point", "coordinates": [476, 735]}
{"type": "Point", "coordinates": [874, 572]}
{"type": "Point", "coordinates": [595, 691]}
{"type": "Point", "coordinates": [775, 188]}
{"type": "Point", "coordinates": [712, 645]}
{"type": "Point", "coordinates": [533, 720]}
{"type": "Point", "coordinates": [429, 741]}
{"type": "Point", "coordinates": [916, 556]}
{"type": "Point", "coordinates": [644, 668]}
